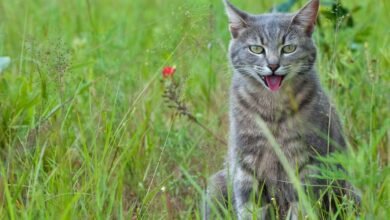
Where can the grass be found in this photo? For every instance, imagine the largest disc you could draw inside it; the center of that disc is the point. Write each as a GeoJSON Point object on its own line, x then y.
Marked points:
{"type": "Point", "coordinates": [86, 133]}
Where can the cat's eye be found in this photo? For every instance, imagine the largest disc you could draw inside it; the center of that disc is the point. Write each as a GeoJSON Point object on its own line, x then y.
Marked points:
{"type": "Point", "coordinates": [289, 48]}
{"type": "Point", "coordinates": [256, 49]}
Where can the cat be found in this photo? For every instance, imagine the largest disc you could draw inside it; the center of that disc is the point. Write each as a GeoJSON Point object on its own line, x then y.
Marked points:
{"type": "Point", "coordinates": [274, 80]}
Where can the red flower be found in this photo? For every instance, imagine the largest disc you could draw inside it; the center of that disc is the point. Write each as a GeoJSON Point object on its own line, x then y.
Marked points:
{"type": "Point", "coordinates": [168, 71]}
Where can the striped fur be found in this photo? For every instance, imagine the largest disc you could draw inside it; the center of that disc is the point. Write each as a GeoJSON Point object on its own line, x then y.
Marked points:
{"type": "Point", "coordinates": [299, 114]}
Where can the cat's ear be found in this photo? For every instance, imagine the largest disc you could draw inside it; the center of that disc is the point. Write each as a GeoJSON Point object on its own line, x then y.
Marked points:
{"type": "Point", "coordinates": [237, 19]}
{"type": "Point", "coordinates": [307, 16]}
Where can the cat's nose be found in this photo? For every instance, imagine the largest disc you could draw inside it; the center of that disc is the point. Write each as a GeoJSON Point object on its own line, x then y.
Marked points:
{"type": "Point", "coordinates": [273, 67]}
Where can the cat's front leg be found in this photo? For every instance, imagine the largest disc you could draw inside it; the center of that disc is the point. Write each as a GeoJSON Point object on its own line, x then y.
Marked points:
{"type": "Point", "coordinates": [306, 178]}
{"type": "Point", "coordinates": [244, 187]}
{"type": "Point", "coordinates": [293, 211]}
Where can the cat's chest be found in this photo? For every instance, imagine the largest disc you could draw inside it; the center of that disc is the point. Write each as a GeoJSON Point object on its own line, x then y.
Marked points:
{"type": "Point", "coordinates": [256, 149]}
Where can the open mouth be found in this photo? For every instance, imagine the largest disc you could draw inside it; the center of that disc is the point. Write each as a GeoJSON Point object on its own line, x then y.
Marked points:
{"type": "Point", "coordinates": [273, 82]}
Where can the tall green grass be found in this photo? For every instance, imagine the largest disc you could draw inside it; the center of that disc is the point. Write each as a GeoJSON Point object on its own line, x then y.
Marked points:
{"type": "Point", "coordinates": [85, 131]}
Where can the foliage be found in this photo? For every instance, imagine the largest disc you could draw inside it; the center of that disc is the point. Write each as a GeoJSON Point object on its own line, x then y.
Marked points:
{"type": "Point", "coordinates": [86, 133]}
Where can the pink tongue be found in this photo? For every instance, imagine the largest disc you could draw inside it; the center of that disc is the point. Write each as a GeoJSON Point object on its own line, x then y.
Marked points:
{"type": "Point", "coordinates": [273, 82]}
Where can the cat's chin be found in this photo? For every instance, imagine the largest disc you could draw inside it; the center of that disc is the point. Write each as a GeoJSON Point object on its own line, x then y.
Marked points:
{"type": "Point", "coordinates": [273, 82]}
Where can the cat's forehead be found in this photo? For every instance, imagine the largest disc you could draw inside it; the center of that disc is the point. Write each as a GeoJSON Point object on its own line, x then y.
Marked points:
{"type": "Point", "coordinates": [272, 19]}
{"type": "Point", "coordinates": [270, 27]}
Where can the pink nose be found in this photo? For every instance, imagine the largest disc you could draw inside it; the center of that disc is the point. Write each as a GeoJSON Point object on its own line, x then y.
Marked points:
{"type": "Point", "coordinates": [273, 67]}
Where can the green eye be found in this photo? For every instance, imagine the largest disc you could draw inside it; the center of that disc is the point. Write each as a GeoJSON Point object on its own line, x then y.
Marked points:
{"type": "Point", "coordinates": [256, 49]}
{"type": "Point", "coordinates": [289, 48]}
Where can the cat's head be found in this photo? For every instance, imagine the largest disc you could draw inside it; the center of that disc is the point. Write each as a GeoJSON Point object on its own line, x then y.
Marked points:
{"type": "Point", "coordinates": [272, 48]}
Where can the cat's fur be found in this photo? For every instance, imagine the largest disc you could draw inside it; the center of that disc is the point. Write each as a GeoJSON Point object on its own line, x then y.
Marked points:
{"type": "Point", "coordinates": [298, 114]}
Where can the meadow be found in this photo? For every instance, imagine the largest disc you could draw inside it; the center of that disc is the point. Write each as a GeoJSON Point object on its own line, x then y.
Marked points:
{"type": "Point", "coordinates": [87, 130]}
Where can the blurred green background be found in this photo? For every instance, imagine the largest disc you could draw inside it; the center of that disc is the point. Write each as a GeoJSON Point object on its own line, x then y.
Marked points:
{"type": "Point", "coordinates": [86, 133]}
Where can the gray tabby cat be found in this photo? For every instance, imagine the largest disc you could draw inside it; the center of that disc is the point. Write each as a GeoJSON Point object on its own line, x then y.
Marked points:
{"type": "Point", "coordinates": [273, 57]}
